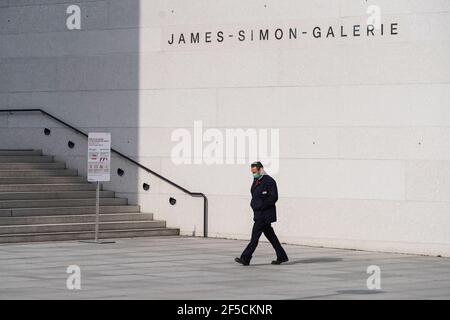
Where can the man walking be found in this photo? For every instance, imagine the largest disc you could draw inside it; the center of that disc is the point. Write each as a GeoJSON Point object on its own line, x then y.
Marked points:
{"type": "Point", "coordinates": [264, 195]}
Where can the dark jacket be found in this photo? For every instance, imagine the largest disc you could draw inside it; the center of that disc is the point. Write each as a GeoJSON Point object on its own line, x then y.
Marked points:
{"type": "Point", "coordinates": [264, 195]}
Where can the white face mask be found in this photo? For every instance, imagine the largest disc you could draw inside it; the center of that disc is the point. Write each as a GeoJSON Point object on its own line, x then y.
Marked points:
{"type": "Point", "coordinates": [259, 173]}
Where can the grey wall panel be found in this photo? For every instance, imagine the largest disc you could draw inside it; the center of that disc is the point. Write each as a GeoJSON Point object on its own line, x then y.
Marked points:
{"type": "Point", "coordinates": [50, 18]}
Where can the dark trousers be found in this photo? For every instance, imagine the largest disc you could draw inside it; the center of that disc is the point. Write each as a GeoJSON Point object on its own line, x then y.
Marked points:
{"type": "Point", "coordinates": [260, 227]}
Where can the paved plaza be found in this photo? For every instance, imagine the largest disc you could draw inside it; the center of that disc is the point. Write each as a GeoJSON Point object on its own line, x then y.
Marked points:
{"type": "Point", "coordinates": [198, 268]}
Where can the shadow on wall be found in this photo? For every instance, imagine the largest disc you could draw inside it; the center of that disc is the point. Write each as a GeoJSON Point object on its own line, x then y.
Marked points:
{"type": "Point", "coordinates": [88, 77]}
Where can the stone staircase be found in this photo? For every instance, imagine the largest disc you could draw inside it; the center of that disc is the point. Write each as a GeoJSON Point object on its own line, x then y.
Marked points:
{"type": "Point", "coordinates": [42, 200]}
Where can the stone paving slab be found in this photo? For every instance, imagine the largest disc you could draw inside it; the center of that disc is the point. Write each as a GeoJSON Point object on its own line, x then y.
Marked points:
{"type": "Point", "coordinates": [198, 268]}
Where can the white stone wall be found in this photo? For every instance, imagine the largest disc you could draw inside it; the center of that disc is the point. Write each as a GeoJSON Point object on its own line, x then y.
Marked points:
{"type": "Point", "coordinates": [364, 121]}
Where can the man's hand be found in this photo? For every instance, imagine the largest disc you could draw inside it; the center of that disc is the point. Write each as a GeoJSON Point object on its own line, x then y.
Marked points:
{"type": "Point", "coordinates": [256, 204]}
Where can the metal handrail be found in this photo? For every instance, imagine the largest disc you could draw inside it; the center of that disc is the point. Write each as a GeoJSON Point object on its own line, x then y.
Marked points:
{"type": "Point", "coordinates": [192, 194]}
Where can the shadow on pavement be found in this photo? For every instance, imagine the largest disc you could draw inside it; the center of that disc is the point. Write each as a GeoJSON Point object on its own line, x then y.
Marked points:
{"type": "Point", "coordinates": [367, 291]}
{"type": "Point", "coordinates": [298, 261]}
{"type": "Point", "coordinates": [316, 260]}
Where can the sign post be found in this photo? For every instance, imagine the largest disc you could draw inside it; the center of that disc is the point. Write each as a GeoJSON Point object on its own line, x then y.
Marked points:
{"type": "Point", "coordinates": [99, 161]}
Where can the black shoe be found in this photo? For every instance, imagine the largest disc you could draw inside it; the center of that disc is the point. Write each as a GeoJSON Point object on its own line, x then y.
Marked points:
{"type": "Point", "coordinates": [280, 261]}
{"type": "Point", "coordinates": [243, 262]}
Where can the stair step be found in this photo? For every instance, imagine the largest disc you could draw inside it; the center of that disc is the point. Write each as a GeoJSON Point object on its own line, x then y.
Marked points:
{"type": "Point", "coordinates": [24, 152]}
{"type": "Point", "coordinates": [26, 159]}
{"type": "Point", "coordinates": [48, 187]}
{"type": "Point", "coordinates": [76, 227]}
{"type": "Point", "coordinates": [104, 217]}
{"type": "Point", "coordinates": [43, 180]}
{"type": "Point", "coordinates": [36, 165]}
{"type": "Point", "coordinates": [37, 173]}
{"type": "Point", "coordinates": [72, 236]}
{"type": "Point", "coordinates": [54, 195]}
{"type": "Point", "coordinates": [41, 200]}
{"type": "Point", "coordinates": [20, 212]}
{"type": "Point", "coordinates": [8, 204]}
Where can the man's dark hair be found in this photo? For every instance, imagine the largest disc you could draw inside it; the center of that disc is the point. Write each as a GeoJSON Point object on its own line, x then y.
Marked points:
{"type": "Point", "coordinates": [257, 164]}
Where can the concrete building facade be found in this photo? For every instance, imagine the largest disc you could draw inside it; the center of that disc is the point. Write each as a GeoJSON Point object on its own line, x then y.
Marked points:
{"type": "Point", "coordinates": [354, 96]}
